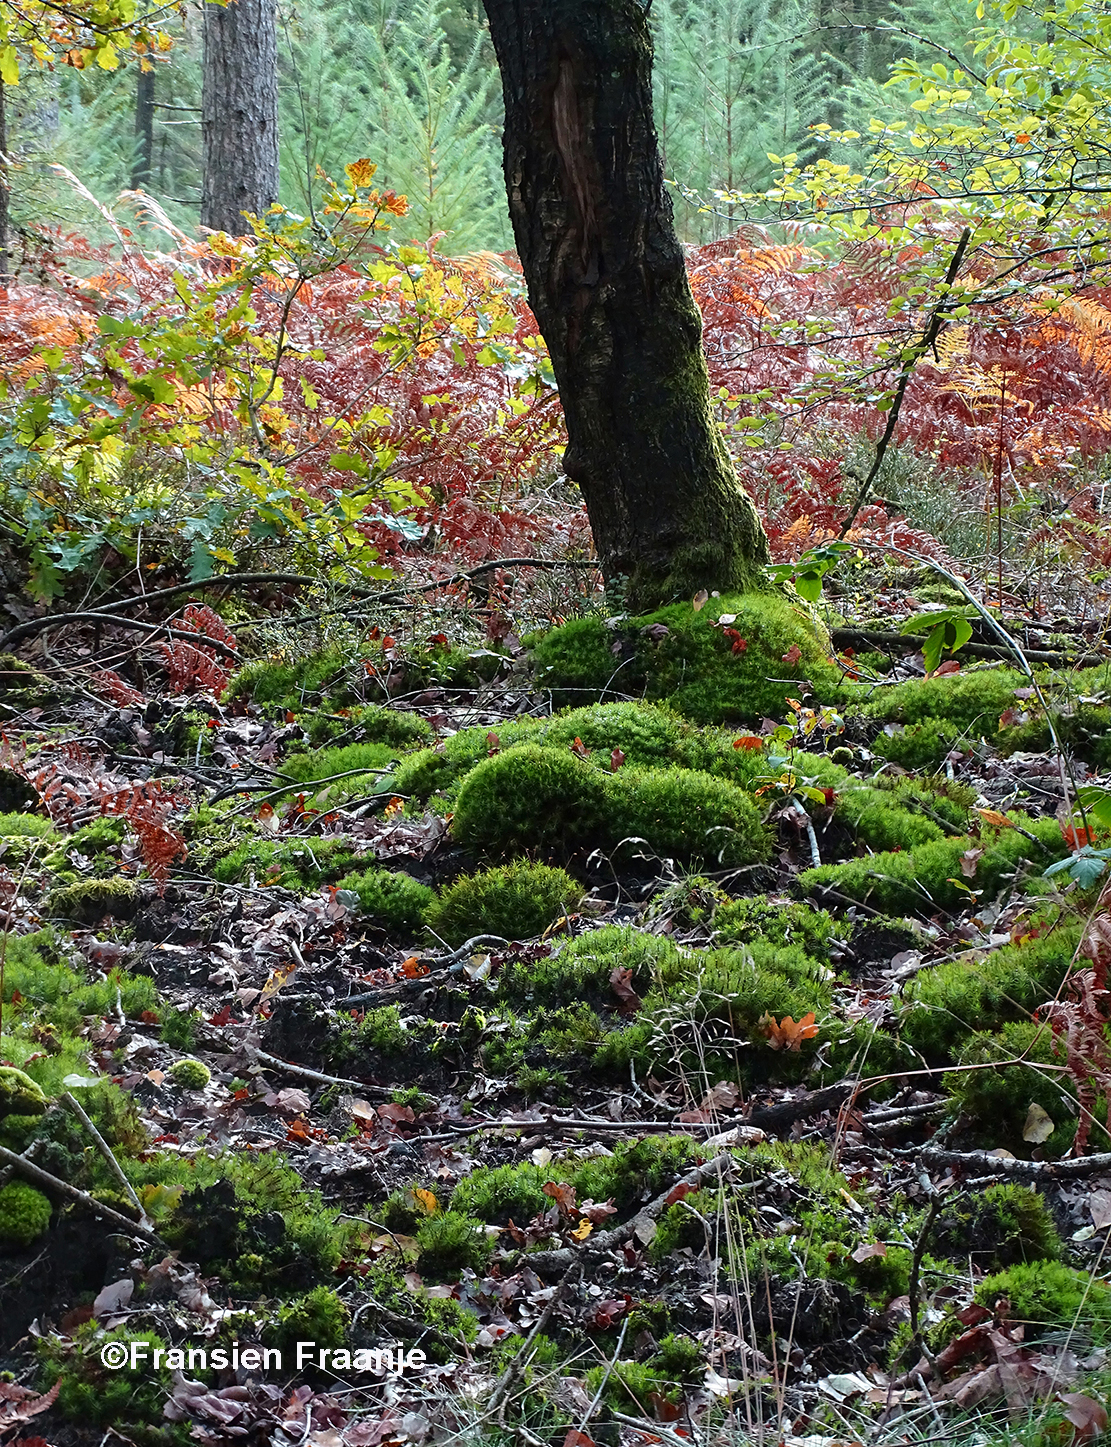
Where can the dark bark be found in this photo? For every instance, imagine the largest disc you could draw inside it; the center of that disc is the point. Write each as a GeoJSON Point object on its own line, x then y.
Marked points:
{"type": "Point", "coordinates": [606, 280]}
{"type": "Point", "coordinates": [239, 115]}
{"type": "Point", "coordinates": [144, 131]}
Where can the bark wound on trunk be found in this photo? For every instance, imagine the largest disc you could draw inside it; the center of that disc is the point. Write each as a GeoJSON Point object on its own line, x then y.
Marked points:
{"type": "Point", "coordinates": [606, 280]}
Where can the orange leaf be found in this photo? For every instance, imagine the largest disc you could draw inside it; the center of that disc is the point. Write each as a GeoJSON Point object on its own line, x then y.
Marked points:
{"type": "Point", "coordinates": [749, 741]}
{"type": "Point", "coordinates": [582, 1230]}
{"type": "Point", "coordinates": [789, 1033]}
{"type": "Point", "coordinates": [995, 819]}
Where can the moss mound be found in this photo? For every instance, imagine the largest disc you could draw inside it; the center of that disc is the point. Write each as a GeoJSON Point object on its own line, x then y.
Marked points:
{"type": "Point", "coordinates": [515, 901]}
{"type": "Point", "coordinates": [539, 797]}
{"type": "Point", "coordinates": [24, 1215]}
{"type": "Point", "coordinates": [394, 899]}
{"type": "Point", "coordinates": [737, 659]}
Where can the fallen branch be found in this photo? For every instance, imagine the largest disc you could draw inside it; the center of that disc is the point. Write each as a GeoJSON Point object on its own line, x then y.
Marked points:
{"type": "Point", "coordinates": [231, 580]}
{"type": "Point", "coordinates": [62, 620]}
{"type": "Point", "coordinates": [987, 1164]}
{"type": "Point", "coordinates": [383, 1092]}
{"type": "Point", "coordinates": [38, 1177]}
{"type": "Point", "coordinates": [909, 642]}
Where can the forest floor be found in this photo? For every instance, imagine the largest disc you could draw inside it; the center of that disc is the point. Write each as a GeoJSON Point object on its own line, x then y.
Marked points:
{"type": "Point", "coordinates": [668, 1027]}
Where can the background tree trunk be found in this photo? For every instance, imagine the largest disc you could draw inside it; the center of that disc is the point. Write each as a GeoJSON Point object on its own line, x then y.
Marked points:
{"type": "Point", "coordinates": [239, 115]}
{"type": "Point", "coordinates": [606, 280]}
{"type": "Point", "coordinates": [144, 131]}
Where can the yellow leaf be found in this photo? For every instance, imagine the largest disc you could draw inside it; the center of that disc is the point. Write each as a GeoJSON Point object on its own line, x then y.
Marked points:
{"type": "Point", "coordinates": [107, 57]}
{"type": "Point", "coordinates": [9, 65]}
{"type": "Point", "coordinates": [425, 1200]}
{"type": "Point", "coordinates": [582, 1230]}
{"type": "Point", "coordinates": [361, 173]}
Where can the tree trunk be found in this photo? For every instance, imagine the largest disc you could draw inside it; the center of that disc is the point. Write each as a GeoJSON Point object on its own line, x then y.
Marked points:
{"type": "Point", "coordinates": [606, 280]}
{"type": "Point", "coordinates": [144, 131]}
{"type": "Point", "coordinates": [239, 114]}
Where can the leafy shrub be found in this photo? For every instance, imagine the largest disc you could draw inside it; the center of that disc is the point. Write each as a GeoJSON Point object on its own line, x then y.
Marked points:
{"type": "Point", "coordinates": [947, 1003]}
{"type": "Point", "coordinates": [515, 901]}
{"type": "Point", "coordinates": [24, 1215]}
{"type": "Point", "coordinates": [395, 899]}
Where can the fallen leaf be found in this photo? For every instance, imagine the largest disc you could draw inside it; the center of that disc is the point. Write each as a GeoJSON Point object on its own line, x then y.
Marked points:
{"type": "Point", "coordinates": [865, 1253]}
{"type": "Point", "coordinates": [617, 758]}
{"type": "Point", "coordinates": [1038, 1127]}
{"type": "Point", "coordinates": [995, 819]}
{"type": "Point", "coordinates": [562, 1194]}
{"type": "Point", "coordinates": [426, 1200]}
{"type": "Point", "coordinates": [1088, 1417]}
{"type": "Point", "coordinates": [582, 1230]}
{"type": "Point", "coordinates": [1099, 1203]}
{"type": "Point", "coordinates": [789, 1033]}
{"type": "Point", "coordinates": [700, 599]}
{"type": "Point", "coordinates": [793, 654]}
{"type": "Point", "coordinates": [749, 741]}
{"type": "Point", "coordinates": [575, 1438]}
{"type": "Point", "coordinates": [621, 984]}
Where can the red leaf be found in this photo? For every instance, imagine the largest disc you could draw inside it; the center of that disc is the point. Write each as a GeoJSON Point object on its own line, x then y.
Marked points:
{"type": "Point", "coordinates": [578, 747]}
{"type": "Point", "coordinates": [793, 654]}
{"type": "Point", "coordinates": [617, 758]}
{"type": "Point", "coordinates": [749, 741]}
{"type": "Point", "coordinates": [221, 1017]}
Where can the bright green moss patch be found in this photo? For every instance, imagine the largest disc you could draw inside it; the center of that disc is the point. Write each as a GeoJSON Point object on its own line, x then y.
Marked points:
{"type": "Point", "coordinates": [582, 968]}
{"type": "Point", "coordinates": [91, 1394]}
{"type": "Point", "coordinates": [530, 798]}
{"type": "Point", "coordinates": [394, 899]}
{"type": "Point", "coordinates": [946, 1004]}
{"type": "Point", "coordinates": [320, 764]}
{"type": "Point", "coordinates": [317, 1316]}
{"type": "Point", "coordinates": [971, 700]}
{"type": "Point", "coordinates": [19, 1094]}
{"type": "Point", "coordinates": [704, 672]}
{"type": "Point", "coordinates": [26, 826]}
{"type": "Point", "coordinates": [685, 814]}
{"type": "Point", "coordinates": [921, 748]}
{"type": "Point", "coordinates": [779, 921]}
{"type": "Point", "coordinates": [538, 797]}
{"type": "Point", "coordinates": [1048, 1296]}
{"type": "Point", "coordinates": [932, 878]}
{"type": "Point", "coordinates": [190, 1074]}
{"type": "Point", "coordinates": [24, 1215]}
{"type": "Point", "coordinates": [515, 901]}
{"type": "Point", "coordinates": [294, 863]}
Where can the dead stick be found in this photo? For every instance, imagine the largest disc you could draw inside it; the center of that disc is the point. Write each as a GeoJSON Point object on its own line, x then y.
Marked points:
{"type": "Point", "coordinates": [42, 1178]}
{"type": "Point", "coordinates": [106, 1151]}
{"type": "Point", "coordinates": [513, 1370]}
{"type": "Point", "coordinates": [383, 1092]}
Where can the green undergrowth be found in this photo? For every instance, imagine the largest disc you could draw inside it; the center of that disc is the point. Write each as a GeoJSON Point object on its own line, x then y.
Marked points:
{"type": "Point", "coordinates": [1048, 1296]}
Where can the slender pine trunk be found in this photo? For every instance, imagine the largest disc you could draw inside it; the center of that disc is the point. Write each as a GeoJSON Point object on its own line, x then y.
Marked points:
{"type": "Point", "coordinates": [239, 113]}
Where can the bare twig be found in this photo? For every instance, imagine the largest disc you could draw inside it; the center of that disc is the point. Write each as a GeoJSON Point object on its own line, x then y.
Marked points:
{"type": "Point", "coordinates": [67, 1098]}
